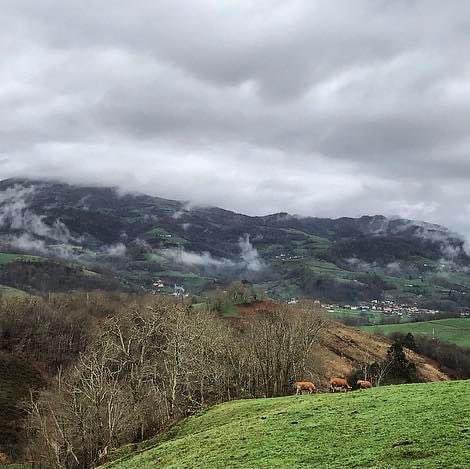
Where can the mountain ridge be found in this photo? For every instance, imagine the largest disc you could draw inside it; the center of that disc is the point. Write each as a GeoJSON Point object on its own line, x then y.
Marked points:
{"type": "Point", "coordinates": [140, 238]}
{"type": "Point", "coordinates": [5, 183]}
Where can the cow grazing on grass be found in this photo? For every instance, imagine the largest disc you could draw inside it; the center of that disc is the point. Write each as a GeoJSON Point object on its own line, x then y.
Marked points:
{"type": "Point", "coordinates": [339, 384]}
{"type": "Point", "coordinates": [364, 384]}
{"type": "Point", "coordinates": [301, 386]}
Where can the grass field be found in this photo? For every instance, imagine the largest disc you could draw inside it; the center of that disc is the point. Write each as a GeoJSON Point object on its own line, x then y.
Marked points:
{"type": "Point", "coordinates": [10, 291]}
{"type": "Point", "coordinates": [454, 330]}
{"type": "Point", "coordinates": [6, 258]}
{"type": "Point", "coordinates": [407, 426]}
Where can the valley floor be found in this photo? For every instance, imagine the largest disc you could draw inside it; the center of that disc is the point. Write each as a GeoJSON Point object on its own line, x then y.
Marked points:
{"type": "Point", "coordinates": [412, 426]}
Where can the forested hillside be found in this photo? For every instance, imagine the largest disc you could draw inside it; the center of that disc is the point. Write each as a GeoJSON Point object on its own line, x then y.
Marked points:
{"type": "Point", "coordinates": [84, 236]}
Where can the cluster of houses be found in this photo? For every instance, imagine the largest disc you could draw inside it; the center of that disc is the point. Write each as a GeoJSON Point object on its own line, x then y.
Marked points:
{"type": "Point", "coordinates": [385, 306]}
{"type": "Point", "coordinates": [388, 307]}
{"type": "Point", "coordinates": [160, 287]}
{"type": "Point", "coordinates": [285, 257]}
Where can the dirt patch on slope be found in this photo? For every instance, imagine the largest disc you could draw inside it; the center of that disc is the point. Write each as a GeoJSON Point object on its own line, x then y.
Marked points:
{"type": "Point", "coordinates": [256, 307]}
{"type": "Point", "coordinates": [343, 349]}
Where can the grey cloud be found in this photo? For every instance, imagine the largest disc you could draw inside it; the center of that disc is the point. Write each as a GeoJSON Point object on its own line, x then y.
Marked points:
{"type": "Point", "coordinates": [324, 108]}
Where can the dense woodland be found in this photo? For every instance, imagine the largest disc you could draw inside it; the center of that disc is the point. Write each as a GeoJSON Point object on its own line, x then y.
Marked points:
{"type": "Point", "coordinates": [116, 369]}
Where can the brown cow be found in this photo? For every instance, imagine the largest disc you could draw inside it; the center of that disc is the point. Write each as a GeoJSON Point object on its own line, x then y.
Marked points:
{"type": "Point", "coordinates": [364, 384]}
{"type": "Point", "coordinates": [339, 384]}
{"type": "Point", "coordinates": [301, 386]}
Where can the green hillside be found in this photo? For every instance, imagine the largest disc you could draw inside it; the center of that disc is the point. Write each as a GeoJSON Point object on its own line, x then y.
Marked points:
{"type": "Point", "coordinates": [134, 239]}
{"type": "Point", "coordinates": [6, 258]}
{"type": "Point", "coordinates": [419, 425]}
{"type": "Point", "coordinates": [455, 330]}
{"type": "Point", "coordinates": [10, 291]}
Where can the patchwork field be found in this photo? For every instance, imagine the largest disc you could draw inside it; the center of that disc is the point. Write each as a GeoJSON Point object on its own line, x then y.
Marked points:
{"type": "Point", "coordinates": [454, 330]}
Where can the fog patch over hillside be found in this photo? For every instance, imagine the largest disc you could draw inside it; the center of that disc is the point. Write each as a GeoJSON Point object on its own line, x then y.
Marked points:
{"type": "Point", "coordinates": [249, 254]}
{"type": "Point", "coordinates": [24, 242]}
{"type": "Point", "coordinates": [248, 260]}
{"type": "Point", "coordinates": [115, 250]}
{"type": "Point", "coordinates": [453, 246]}
{"type": "Point", "coordinates": [15, 215]}
{"type": "Point", "coordinates": [25, 231]}
{"type": "Point", "coordinates": [185, 208]}
{"type": "Point", "coordinates": [395, 268]}
{"type": "Point", "coordinates": [194, 259]}
{"type": "Point", "coordinates": [360, 265]}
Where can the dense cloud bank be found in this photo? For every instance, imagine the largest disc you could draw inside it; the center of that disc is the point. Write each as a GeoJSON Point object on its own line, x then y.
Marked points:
{"type": "Point", "coordinates": [323, 108]}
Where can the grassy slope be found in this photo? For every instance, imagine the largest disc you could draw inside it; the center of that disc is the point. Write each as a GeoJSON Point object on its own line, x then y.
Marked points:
{"type": "Point", "coordinates": [6, 258]}
{"type": "Point", "coordinates": [422, 425]}
{"type": "Point", "coordinates": [455, 330]}
{"type": "Point", "coordinates": [10, 291]}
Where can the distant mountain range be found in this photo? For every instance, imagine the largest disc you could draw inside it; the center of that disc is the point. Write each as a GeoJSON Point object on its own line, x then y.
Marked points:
{"type": "Point", "coordinates": [67, 237]}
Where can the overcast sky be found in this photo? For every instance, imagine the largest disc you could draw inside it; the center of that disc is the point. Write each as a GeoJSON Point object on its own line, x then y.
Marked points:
{"type": "Point", "coordinates": [324, 108]}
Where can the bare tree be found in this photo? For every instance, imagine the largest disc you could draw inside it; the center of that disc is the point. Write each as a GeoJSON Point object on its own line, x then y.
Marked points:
{"type": "Point", "coordinates": [155, 363]}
